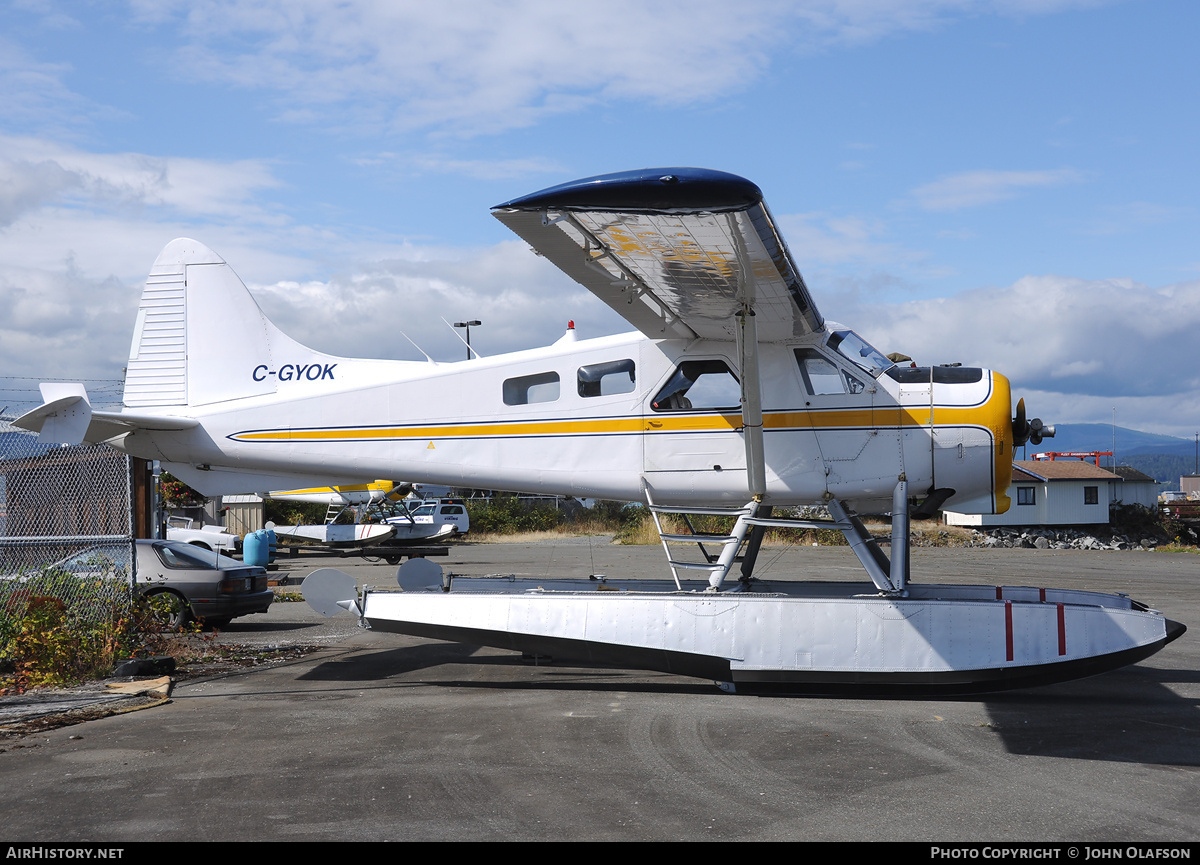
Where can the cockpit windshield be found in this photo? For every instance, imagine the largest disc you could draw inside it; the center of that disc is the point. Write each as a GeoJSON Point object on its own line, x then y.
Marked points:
{"type": "Point", "coordinates": [859, 352]}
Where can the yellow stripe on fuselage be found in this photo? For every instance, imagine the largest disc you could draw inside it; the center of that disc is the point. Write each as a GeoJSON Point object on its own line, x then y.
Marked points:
{"type": "Point", "coordinates": [987, 415]}
{"type": "Point", "coordinates": [500, 429]}
{"type": "Point", "coordinates": [992, 415]}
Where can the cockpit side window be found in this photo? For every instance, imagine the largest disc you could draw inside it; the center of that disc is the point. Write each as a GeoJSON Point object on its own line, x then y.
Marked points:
{"type": "Point", "coordinates": [822, 376]}
{"type": "Point", "coordinates": [859, 352]}
{"type": "Point", "coordinates": [699, 385]}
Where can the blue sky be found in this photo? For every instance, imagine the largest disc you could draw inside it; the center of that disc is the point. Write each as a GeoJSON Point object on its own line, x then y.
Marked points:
{"type": "Point", "coordinates": [1009, 184]}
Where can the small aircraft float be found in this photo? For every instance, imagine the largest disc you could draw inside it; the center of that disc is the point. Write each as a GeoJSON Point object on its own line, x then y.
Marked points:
{"type": "Point", "coordinates": [381, 516]}
{"type": "Point", "coordinates": [734, 397]}
{"type": "Point", "coordinates": [355, 498]}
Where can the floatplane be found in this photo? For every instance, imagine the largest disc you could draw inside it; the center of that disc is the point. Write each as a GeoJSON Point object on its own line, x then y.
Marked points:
{"type": "Point", "coordinates": [353, 498]}
{"type": "Point", "coordinates": [380, 516]}
{"type": "Point", "coordinates": [734, 397]}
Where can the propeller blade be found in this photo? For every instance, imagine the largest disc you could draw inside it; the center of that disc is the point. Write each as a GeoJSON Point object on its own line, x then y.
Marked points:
{"type": "Point", "coordinates": [1020, 426]}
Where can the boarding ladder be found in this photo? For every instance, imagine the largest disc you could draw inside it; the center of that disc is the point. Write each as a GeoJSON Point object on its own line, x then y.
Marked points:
{"type": "Point", "coordinates": [753, 519]}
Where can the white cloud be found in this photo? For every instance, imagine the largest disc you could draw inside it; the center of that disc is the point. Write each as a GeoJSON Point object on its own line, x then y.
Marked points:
{"type": "Point", "coordinates": [1176, 414]}
{"type": "Point", "coordinates": [63, 323]}
{"type": "Point", "coordinates": [522, 300]}
{"type": "Point", "coordinates": [1083, 340]}
{"type": "Point", "coordinates": [484, 67]}
{"type": "Point", "coordinates": [824, 239]}
{"type": "Point", "coordinates": [469, 68]}
{"type": "Point", "coordinates": [36, 172]}
{"type": "Point", "coordinates": [32, 91]}
{"type": "Point", "coordinates": [974, 188]}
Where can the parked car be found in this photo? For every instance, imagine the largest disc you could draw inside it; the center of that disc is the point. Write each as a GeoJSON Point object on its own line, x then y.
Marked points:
{"type": "Point", "coordinates": [188, 583]}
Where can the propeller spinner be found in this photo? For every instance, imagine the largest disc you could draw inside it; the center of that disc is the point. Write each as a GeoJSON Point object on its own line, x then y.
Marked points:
{"type": "Point", "coordinates": [1032, 431]}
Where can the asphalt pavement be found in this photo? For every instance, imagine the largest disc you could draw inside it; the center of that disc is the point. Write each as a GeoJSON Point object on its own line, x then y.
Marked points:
{"type": "Point", "coordinates": [384, 737]}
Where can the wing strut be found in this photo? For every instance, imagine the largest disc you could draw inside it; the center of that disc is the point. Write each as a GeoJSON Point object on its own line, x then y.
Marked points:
{"type": "Point", "coordinates": [747, 334]}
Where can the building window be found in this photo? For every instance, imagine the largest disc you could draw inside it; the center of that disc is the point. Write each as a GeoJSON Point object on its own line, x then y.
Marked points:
{"type": "Point", "coordinates": [1026, 495]}
{"type": "Point", "coordinates": [542, 387]}
{"type": "Point", "coordinates": [1091, 495]}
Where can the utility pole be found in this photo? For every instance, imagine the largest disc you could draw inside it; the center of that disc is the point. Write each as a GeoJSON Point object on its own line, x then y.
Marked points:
{"type": "Point", "coordinates": [1114, 453]}
{"type": "Point", "coordinates": [468, 325]}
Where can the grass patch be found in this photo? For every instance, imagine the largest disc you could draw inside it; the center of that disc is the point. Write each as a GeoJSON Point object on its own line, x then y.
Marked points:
{"type": "Point", "coordinates": [1177, 548]}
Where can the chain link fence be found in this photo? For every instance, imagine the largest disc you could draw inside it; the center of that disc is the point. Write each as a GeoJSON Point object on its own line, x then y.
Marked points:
{"type": "Point", "coordinates": [66, 529]}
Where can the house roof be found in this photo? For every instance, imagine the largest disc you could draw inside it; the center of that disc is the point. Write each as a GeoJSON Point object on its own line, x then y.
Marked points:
{"type": "Point", "coordinates": [1129, 473]}
{"type": "Point", "coordinates": [1020, 477]}
{"type": "Point", "coordinates": [1062, 470]}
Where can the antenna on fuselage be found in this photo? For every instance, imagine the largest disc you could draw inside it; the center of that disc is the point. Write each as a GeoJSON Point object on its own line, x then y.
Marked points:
{"type": "Point", "coordinates": [417, 347]}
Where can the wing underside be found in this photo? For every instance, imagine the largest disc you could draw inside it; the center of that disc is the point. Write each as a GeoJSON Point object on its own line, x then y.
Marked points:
{"type": "Point", "coordinates": [677, 252]}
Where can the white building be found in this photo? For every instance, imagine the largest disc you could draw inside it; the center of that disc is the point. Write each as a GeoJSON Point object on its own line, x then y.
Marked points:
{"type": "Point", "coordinates": [1135, 488]}
{"type": "Point", "coordinates": [1051, 493]}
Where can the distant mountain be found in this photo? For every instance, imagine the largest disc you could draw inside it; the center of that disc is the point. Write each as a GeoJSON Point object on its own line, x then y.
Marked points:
{"type": "Point", "coordinates": [1164, 458]}
{"type": "Point", "coordinates": [1099, 437]}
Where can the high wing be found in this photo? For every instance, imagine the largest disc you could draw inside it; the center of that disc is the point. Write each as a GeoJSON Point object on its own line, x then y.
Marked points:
{"type": "Point", "coordinates": [678, 252]}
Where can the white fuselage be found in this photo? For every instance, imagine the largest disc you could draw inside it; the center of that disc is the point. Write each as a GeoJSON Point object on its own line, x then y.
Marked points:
{"type": "Point", "coordinates": [501, 423]}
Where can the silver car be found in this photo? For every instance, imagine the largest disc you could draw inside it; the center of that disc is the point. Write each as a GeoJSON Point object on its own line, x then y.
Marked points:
{"type": "Point", "coordinates": [186, 583]}
{"type": "Point", "coordinates": [190, 583]}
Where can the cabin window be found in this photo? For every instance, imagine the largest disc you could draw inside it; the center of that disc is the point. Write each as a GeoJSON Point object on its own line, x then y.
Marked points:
{"type": "Point", "coordinates": [606, 379]}
{"type": "Point", "coordinates": [1091, 495]}
{"type": "Point", "coordinates": [821, 376]}
{"type": "Point", "coordinates": [542, 387]}
{"type": "Point", "coordinates": [700, 385]}
{"type": "Point", "coordinates": [1026, 495]}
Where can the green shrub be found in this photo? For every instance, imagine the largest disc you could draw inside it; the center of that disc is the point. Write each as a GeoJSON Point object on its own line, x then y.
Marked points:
{"type": "Point", "coordinates": [58, 628]}
{"type": "Point", "coordinates": [506, 514]}
{"type": "Point", "coordinates": [52, 645]}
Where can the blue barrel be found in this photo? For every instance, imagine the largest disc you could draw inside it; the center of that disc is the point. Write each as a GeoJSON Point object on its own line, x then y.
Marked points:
{"type": "Point", "coordinates": [272, 544]}
{"type": "Point", "coordinates": [255, 550]}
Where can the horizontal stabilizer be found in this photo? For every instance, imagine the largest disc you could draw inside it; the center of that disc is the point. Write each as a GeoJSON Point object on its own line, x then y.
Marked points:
{"type": "Point", "coordinates": [63, 416]}
{"type": "Point", "coordinates": [66, 417]}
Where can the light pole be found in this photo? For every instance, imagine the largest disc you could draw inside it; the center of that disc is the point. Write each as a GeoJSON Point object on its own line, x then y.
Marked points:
{"type": "Point", "coordinates": [468, 325]}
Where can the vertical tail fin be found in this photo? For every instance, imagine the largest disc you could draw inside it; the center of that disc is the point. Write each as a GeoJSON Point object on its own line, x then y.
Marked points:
{"type": "Point", "coordinates": [200, 338]}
